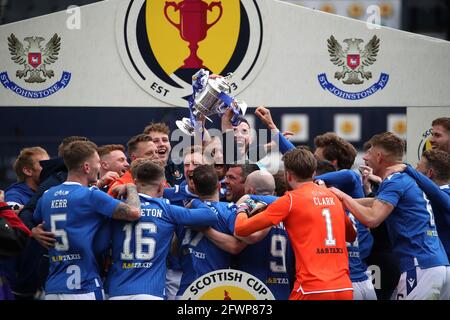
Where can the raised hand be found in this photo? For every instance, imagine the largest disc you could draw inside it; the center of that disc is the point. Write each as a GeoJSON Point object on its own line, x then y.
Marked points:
{"type": "Point", "coordinates": [264, 115]}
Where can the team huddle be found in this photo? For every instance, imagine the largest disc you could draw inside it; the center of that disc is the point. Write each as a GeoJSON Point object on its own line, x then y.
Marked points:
{"type": "Point", "coordinates": [106, 228]}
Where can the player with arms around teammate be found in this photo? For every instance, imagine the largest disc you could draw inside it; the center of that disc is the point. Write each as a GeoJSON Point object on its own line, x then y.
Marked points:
{"type": "Point", "coordinates": [409, 218]}
{"type": "Point", "coordinates": [318, 229]}
{"type": "Point", "coordinates": [140, 247]}
{"type": "Point", "coordinates": [73, 212]}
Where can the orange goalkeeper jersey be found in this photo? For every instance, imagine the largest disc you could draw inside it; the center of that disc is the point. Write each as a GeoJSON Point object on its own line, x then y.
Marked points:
{"type": "Point", "coordinates": [126, 178]}
{"type": "Point", "coordinates": [316, 223]}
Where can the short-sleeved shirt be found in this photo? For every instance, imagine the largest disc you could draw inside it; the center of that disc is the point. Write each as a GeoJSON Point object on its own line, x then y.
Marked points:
{"type": "Point", "coordinates": [411, 225]}
{"type": "Point", "coordinates": [198, 254]}
{"type": "Point", "coordinates": [140, 248]}
{"type": "Point", "coordinates": [74, 213]}
{"type": "Point", "coordinates": [315, 221]}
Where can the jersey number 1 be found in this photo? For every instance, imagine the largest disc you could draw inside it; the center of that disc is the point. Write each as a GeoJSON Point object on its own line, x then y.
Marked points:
{"type": "Point", "coordinates": [329, 241]}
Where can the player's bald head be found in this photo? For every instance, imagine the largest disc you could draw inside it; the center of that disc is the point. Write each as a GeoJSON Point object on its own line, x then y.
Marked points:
{"type": "Point", "coordinates": [260, 182]}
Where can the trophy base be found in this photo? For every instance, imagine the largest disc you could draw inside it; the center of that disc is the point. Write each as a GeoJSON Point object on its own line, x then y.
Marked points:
{"type": "Point", "coordinates": [185, 126]}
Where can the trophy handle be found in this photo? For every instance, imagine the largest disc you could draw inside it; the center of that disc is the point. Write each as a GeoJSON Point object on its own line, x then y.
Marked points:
{"type": "Point", "coordinates": [176, 7]}
{"type": "Point", "coordinates": [210, 8]}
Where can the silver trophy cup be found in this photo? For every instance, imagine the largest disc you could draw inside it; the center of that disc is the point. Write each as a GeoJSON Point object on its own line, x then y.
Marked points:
{"type": "Point", "coordinates": [207, 103]}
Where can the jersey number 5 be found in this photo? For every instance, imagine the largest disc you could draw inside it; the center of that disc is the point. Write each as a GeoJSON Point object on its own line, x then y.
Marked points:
{"type": "Point", "coordinates": [62, 245]}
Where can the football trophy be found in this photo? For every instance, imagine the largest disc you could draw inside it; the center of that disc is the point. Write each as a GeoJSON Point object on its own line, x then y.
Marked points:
{"type": "Point", "coordinates": [210, 97]}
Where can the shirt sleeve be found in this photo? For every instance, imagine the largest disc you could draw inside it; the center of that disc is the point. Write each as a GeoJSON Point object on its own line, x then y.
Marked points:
{"type": "Point", "coordinates": [284, 144]}
{"type": "Point", "coordinates": [14, 197]}
{"type": "Point", "coordinates": [273, 215]}
{"type": "Point", "coordinates": [116, 183]}
{"type": "Point", "coordinates": [231, 219]}
{"type": "Point", "coordinates": [390, 190]}
{"type": "Point", "coordinates": [432, 190]}
{"type": "Point", "coordinates": [266, 199]}
{"type": "Point", "coordinates": [37, 214]}
{"type": "Point", "coordinates": [203, 216]}
{"type": "Point", "coordinates": [103, 203]}
{"type": "Point", "coordinates": [342, 178]}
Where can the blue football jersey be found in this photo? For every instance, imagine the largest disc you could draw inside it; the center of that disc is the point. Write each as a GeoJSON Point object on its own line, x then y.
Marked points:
{"type": "Point", "coordinates": [271, 260]}
{"type": "Point", "coordinates": [411, 225]}
{"type": "Point", "coordinates": [350, 182]}
{"type": "Point", "coordinates": [198, 254]}
{"type": "Point", "coordinates": [443, 220]}
{"type": "Point", "coordinates": [140, 248]}
{"type": "Point", "coordinates": [74, 213]}
{"type": "Point", "coordinates": [440, 204]}
{"type": "Point", "coordinates": [179, 195]}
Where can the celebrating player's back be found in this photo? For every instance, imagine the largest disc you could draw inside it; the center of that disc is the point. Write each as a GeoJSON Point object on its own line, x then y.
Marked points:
{"type": "Point", "coordinates": [317, 227]}
{"type": "Point", "coordinates": [74, 213]}
{"type": "Point", "coordinates": [140, 247]}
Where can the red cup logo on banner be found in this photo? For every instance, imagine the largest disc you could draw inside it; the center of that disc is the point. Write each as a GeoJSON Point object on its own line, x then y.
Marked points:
{"type": "Point", "coordinates": [164, 43]}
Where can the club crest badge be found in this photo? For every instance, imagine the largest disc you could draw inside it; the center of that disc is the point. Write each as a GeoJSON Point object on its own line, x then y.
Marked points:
{"type": "Point", "coordinates": [354, 62]}
{"type": "Point", "coordinates": [424, 143]}
{"type": "Point", "coordinates": [35, 58]}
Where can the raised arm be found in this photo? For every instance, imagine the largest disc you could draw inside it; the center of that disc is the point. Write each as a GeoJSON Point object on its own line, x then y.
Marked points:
{"type": "Point", "coordinates": [431, 189]}
{"type": "Point", "coordinates": [131, 209]}
{"type": "Point", "coordinates": [265, 116]}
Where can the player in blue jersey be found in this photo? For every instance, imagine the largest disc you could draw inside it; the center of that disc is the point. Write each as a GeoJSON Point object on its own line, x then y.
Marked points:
{"type": "Point", "coordinates": [342, 154]}
{"type": "Point", "coordinates": [181, 195]}
{"type": "Point", "coordinates": [432, 174]}
{"type": "Point", "coordinates": [410, 222]}
{"type": "Point", "coordinates": [140, 248]}
{"type": "Point", "coordinates": [433, 177]}
{"type": "Point", "coordinates": [199, 255]}
{"type": "Point", "coordinates": [271, 259]}
{"type": "Point", "coordinates": [73, 212]}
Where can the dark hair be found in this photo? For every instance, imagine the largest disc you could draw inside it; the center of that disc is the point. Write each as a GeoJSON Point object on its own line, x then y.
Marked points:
{"type": "Point", "coordinates": [108, 148]}
{"type": "Point", "coordinates": [133, 142]}
{"type": "Point", "coordinates": [65, 142]}
{"type": "Point", "coordinates": [147, 171]}
{"type": "Point", "coordinates": [246, 169]}
{"type": "Point", "coordinates": [157, 127]}
{"type": "Point", "coordinates": [443, 121]}
{"type": "Point", "coordinates": [324, 167]}
{"type": "Point", "coordinates": [390, 143]}
{"type": "Point", "coordinates": [336, 148]}
{"type": "Point", "coordinates": [280, 183]}
{"type": "Point", "coordinates": [77, 152]}
{"type": "Point", "coordinates": [439, 161]}
{"type": "Point", "coordinates": [25, 160]}
{"type": "Point", "coordinates": [300, 162]}
{"type": "Point", "coordinates": [241, 119]}
{"type": "Point", "coordinates": [205, 180]}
